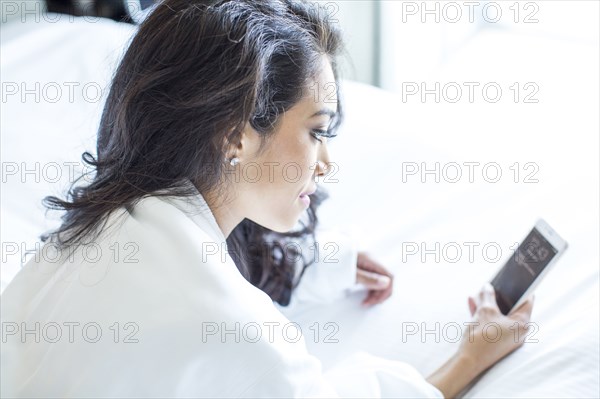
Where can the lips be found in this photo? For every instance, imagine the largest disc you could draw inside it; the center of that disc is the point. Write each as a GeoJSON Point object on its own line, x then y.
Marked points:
{"type": "Point", "coordinates": [309, 192]}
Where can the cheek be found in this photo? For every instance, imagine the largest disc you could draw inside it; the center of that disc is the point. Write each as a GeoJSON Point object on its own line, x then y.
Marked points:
{"type": "Point", "coordinates": [295, 163]}
{"type": "Point", "coordinates": [304, 164]}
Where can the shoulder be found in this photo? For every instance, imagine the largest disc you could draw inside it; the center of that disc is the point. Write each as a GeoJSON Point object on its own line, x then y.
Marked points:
{"type": "Point", "coordinates": [154, 250]}
{"type": "Point", "coordinates": [193, 316]}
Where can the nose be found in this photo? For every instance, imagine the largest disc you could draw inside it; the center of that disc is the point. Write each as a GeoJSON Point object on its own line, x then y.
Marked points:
{"type": "Point", "coordinates": [323, 162]}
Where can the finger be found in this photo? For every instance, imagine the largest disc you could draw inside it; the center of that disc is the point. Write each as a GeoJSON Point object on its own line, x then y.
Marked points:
{"type": "Point", "coordinates": [372, 298]}
{"type": "Point", "coordinates": [369, 299]}
{"type": "Point", "coordinates": [487, 295]}
{"type": "Point", "coordinates": [472, 305]}
{"type": "Point", "coordinates": [363, 259]}
{"type": "Point", "coordinates": [523, 312]}
{"type": "Point", "coordinates": [373, 267]}
{"type": "Point", "coordinates": [380, 296]}
{"type": "Point", "coordinates": [385, 293]}
{"type": "Point", "coordinates": [372, 301]}
{"type": "Point", "coordinates": [370, 265]}
{"type": "Point", "coordinates": [372, 280]}
{"type": "Point", "coordinates": [375, 297]}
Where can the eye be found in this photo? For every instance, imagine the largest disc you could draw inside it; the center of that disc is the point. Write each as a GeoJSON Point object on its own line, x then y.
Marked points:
{"type": "Point", "coordinates": [316, 133]}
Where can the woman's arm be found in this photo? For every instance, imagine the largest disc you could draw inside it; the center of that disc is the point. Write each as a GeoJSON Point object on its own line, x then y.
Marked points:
{"type": "Point", "coordinates": [454, 375]}
{"type": "Point", "coordinates": [478, 351]}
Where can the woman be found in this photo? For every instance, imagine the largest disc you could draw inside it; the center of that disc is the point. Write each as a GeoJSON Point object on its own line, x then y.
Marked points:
{"type": "Point", "coordinates": [163, 278]}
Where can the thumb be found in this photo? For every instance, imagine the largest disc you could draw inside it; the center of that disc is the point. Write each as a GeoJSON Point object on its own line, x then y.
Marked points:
{"type": "Point", "coordinates": [372, 280]}
{"type": "Point", "coordinates": [472, 305]}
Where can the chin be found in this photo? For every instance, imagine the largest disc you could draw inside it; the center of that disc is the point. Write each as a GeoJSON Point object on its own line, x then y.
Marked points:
{"type": "Point", "coordinates": [279, 226]}
{"type": "Point", "coordinates": [283, 228]}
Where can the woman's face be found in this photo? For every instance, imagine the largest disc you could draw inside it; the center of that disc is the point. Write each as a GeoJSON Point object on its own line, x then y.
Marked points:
{"type": "Point", "coordinates": [270, 187]}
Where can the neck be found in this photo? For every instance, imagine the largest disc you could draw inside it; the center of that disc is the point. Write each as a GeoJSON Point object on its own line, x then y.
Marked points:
{"type": "Point", "coordinates": [224, 213]}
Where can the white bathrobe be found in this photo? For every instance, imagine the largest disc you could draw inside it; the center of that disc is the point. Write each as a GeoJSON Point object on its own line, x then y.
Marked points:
{"type": "Point", "coordinates": [156, 307]}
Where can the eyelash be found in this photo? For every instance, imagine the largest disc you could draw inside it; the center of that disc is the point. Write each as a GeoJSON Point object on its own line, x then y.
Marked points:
{"type": "Point", "coordinates": [322, 133]}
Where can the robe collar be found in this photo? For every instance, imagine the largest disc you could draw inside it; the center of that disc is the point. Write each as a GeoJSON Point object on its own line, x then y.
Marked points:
{"type": "Point", "coordinates": [197, 209]}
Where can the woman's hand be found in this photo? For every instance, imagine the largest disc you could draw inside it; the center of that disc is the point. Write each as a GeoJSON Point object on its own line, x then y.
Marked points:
{"type": "Point", "coordinates": [495, 335]}
{"type": "Point", "coordinates": [490, 337]}
{"type": "Point", "coordinates": [374, 276]}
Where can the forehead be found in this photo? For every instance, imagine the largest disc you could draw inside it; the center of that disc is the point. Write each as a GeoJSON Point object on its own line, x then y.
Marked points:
{"type": "Point", "coordinates": [321, 93]}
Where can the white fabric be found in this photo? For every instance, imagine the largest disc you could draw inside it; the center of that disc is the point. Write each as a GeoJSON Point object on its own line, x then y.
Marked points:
{"type": "Point", "coordinates": [176, 286]}
{"type": "Point", "coordinates": [332, 274]}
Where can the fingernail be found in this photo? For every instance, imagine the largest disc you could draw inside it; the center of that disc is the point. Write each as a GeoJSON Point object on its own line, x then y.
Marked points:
{"type": "Point", "coordinates": [383, 281]}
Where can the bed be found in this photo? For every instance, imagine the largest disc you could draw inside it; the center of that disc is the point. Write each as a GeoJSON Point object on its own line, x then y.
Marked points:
{"type": "Point", "coordinates": [400, 216]}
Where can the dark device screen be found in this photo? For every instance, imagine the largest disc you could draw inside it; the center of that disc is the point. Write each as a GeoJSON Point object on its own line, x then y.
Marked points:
{"type": "Point", "coordinates": [522, 268]}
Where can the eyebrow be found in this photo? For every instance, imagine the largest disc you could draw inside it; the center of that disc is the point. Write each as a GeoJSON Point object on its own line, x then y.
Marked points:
{"type": "Point", "coordinates": [325, 111]}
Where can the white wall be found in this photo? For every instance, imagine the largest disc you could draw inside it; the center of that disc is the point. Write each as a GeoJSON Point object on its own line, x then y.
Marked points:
{"type": "Point", "coordinates": [357, 21]}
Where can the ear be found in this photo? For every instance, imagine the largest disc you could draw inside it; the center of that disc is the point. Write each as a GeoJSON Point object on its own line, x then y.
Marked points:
{"type": "Point", "coordinates": [232, 144]}
{"type": "Point", "coordinates": [245, 144]}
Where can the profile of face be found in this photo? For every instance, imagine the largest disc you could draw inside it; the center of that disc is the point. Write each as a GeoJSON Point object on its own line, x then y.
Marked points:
{"type": "Point", "coordinates": [272, 187]}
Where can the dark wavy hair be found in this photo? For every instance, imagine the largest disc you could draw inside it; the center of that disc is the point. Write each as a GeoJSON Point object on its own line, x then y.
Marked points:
{"type": "Point", "coordinates": [195, 74]}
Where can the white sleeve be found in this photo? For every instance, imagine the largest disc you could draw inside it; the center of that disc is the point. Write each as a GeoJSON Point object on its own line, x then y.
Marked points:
{"type": "Point", "coordinates": [333, 272]}
{"type": "Point", "coordinates": [360, 375]}
{"type": "Point", "coordinates": [285, 369]}
{"type": "Point", "coordinates": [364, 375]}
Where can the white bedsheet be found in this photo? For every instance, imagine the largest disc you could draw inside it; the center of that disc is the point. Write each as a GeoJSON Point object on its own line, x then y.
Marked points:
{"type": "Point", "coordinates": [371, 202]}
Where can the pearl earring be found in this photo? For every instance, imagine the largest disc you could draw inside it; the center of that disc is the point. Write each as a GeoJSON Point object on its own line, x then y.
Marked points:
{"type": "Point", "coordinates": [234, 161]}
